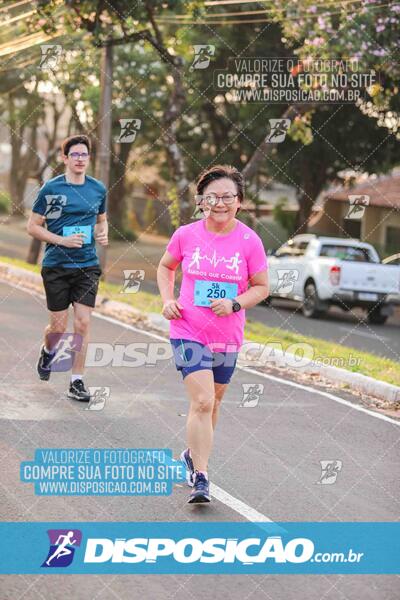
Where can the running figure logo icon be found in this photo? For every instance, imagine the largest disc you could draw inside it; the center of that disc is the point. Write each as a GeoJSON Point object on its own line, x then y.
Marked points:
{"type": "Point", "coordinates": [358, 204]}
{"type": "Point", "coordinates": [64, 346]}
{"type": "Point", "coordinates": [329, 471]}
{"type": "Point", "coordinates": [286, 280]}
{"type": "Point", "coordinates": [50, 56]}
{"type": "Point", "coordinates": [279, 129]}
{"type": "Point", "coordinates": [62, 547]}
{"type": "Point", "coordinates": [251, 394]}
{"type": "Point", "coordinates": [214, 260]}
{"type": "Point", "coordinates": [129, 129]}
{"type": "Point", "coordinates": [98, 397]}
{"type": "Point", "coordinates": [54, 206]}
{"type": "Point", "coordinates": [132, 282]}
{"type": "Point", "coordinates": [202, 56]}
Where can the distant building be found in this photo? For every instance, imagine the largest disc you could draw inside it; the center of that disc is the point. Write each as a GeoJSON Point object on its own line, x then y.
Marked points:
{"type": "Point", "coordinates": [380, 223]}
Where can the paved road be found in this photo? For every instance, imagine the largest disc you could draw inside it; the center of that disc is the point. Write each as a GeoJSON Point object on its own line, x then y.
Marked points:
{"type": "Point", "coordinates": [267, 457]}
{"type": "Point", "coordinates": [336, 326]}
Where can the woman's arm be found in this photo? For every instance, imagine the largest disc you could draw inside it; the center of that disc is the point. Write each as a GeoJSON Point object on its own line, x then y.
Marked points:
{"type": "Point", "coordinates": [166, 280]}
{"type": "Point", "coordinates": [258, 291]}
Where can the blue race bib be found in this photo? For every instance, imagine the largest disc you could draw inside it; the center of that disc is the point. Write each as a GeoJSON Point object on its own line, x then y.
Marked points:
{"type": "Point", "coordinates": [86, 229]}
{"type": "Point", "coordinates": [205, 291]}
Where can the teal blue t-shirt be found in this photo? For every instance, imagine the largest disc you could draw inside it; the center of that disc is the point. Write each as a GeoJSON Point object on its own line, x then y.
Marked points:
{"type": "Point", "coordinates": [71, 208]}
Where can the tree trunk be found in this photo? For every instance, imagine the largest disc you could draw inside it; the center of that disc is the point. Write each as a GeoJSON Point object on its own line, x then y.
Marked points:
{"type": "Point", "coordinates": [311, 186]}
{"type": "Point", "coordinates": [103, 150]}
{"type": "Point", "coordinates": [34, 251]}
{"type": "Point", "coordinates": [116, 199]}
{"type": "Point", "coordinates": [171, 115]}
{"type": "Point", "coordinates": [217, 125]}
{"type": "Point", "coordinates": [174, 153]}
{"type": "Point", "coordinates": [265, 148]}
{"type": "Point", "coordinates": [17, 188]}
{"type": "Point", "coordinates": [304, 212]}
{"type": "Point", "coordinates": [21, 162]}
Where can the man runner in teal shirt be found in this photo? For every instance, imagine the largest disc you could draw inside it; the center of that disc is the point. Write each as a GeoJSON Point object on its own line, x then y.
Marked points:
{"type": "Point", "coordinates": [69, 214]}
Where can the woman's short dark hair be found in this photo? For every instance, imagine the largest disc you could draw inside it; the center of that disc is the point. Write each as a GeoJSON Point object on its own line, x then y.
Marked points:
{"type": "Point", "coordinates": [221, 172]}
{"type": "Point", "coordinates": [73, 140]}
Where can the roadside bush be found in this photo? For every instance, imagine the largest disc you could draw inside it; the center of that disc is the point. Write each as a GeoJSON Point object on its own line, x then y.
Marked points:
{"type": "Point", "coordinates": [5, 202]}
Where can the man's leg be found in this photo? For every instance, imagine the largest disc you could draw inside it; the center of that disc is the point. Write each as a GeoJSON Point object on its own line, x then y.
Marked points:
{"type": "Point", "coordinates": [77, 390]}
{"type": "Point", "coordinates": [82, 315]}
{"type": "Point", "coordinates": [58, 324]}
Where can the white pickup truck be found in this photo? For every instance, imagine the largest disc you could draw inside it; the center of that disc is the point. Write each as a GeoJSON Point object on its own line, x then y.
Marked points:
{"type": "Point", "coordinates": [324, 271]}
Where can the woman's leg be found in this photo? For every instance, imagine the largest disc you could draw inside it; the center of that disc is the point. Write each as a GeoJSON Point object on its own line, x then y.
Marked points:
{"type": "Point", "coordinates": [199, 427]}
{"type": "Point", "coordinates": [219, 391]}
{"type": "Point", "coordinates": [223, 368]}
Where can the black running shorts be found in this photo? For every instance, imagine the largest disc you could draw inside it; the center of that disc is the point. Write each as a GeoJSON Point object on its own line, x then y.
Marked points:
{"type": "Point", "coordinates": [64, 286]}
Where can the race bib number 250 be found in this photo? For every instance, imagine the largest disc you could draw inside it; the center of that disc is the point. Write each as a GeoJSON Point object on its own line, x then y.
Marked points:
{"type": "Point", "coordinates": [206, 291]}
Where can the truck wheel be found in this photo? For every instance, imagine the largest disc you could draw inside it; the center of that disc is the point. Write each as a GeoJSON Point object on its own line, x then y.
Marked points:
{"type": "Point", "coordinates": [310, 307]}
{"type": "Point", "coordinates": [375, 317]}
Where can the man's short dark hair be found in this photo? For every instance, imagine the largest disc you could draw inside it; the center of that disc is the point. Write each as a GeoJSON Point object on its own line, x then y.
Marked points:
{"type": "Point", "coordinates": [73, 140]}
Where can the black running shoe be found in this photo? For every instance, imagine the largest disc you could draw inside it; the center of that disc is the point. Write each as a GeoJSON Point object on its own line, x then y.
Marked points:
{"type": "Point", "coordinates": [44, 364]}
{"type": "Point", "coordinates": [200, 492]}
{"type": "Point", "coordinates": [78, 392]}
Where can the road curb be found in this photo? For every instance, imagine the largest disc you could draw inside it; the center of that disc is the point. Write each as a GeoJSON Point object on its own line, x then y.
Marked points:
{"type": "Point", "coordinates": [357, 381]}
{"type": "Point", "coordinates": [251, 354]}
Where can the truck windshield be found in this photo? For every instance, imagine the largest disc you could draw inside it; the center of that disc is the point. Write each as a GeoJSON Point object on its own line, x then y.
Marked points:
{"type": "Point", "coordinates": [346, 253]}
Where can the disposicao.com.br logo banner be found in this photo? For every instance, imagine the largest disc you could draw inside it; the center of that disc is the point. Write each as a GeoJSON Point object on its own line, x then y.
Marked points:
{"type": "Point", "coordinates": [200, 548]}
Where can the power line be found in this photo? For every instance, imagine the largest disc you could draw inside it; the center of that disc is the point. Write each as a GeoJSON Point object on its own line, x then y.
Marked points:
{"type": "Point", "coordinates": [17, 18]}
{"type": "Point", "coordinates": [10, 6]}
{"type": "Point", "coordinates": [231, 22]}
{"type": "Point", "coordinates": [25, 42]}
{"type": "Point", "coordinates": [173, 21]}
{"type": "Point", "coordinates": [234, 2]}
{"type": "Point", "coordinates": [224, 14]}
{"type": "Point", "coordinates": [228, 2]}
{"type": "Point", "coordinates": [262, 11]}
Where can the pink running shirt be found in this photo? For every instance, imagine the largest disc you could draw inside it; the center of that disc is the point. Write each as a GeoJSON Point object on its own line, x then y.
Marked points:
{"type": "Point", "coordinates": [230, 258]}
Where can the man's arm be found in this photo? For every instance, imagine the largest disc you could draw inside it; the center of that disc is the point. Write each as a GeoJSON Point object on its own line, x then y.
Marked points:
{"type": "Point", "coordinates": [101, 229]}
{"type": "Point", "coordinates": [36, 228]}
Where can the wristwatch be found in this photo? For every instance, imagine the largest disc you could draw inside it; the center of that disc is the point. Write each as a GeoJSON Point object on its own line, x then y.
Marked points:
{"type": "Point", "coordinates": [236, 306]}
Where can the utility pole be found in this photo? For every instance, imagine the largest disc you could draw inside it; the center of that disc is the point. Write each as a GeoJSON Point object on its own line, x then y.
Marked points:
{"type": "Point", "coordinates": [103, 148]}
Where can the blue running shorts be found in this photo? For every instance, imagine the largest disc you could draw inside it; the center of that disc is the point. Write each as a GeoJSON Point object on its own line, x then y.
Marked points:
{"type": "Point", "coordinates": [193, 356]}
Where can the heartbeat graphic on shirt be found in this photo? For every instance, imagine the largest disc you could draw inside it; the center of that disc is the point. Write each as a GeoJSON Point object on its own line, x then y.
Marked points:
{"type": "Point", "coordinates": [214, 260]}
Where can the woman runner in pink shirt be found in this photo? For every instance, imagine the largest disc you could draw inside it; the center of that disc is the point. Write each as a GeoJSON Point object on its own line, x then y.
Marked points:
{"type": "Point", "coordinates": [224, 269]}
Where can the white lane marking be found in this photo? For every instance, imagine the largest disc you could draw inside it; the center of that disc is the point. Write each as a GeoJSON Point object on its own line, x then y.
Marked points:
{"type": "Point", "coordinates": [251, 514]}
{"type": "Point", "coordinates": [374, 336]}
{"type": "Point", "coordinates": [326, 394]}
